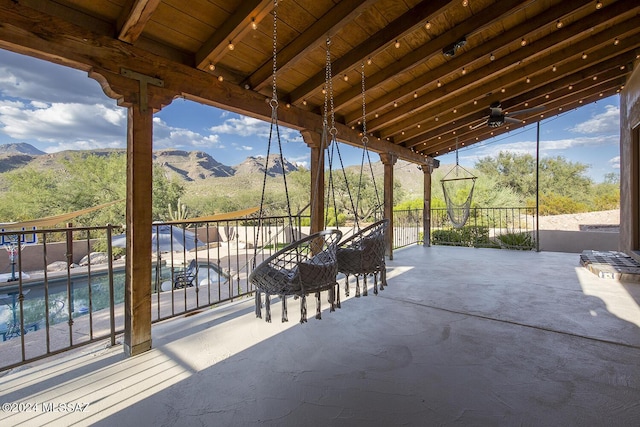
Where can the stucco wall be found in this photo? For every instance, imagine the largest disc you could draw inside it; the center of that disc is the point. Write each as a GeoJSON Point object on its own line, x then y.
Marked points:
{"type": "Point", "coordinates": [578, 241]}
{"type": "Point", "coordinates": [629, 119]}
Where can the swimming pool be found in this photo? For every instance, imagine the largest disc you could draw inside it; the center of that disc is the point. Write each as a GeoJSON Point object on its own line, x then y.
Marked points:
{"type": "Point", "coordinates": [76, 296]}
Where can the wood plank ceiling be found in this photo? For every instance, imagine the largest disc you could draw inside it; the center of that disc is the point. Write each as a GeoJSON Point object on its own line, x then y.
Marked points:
{"type": "Point", "coordinates": [432, 68]}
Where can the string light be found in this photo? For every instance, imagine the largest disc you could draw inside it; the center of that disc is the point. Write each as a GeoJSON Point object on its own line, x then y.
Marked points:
{"type": "Point", "coordinates": [464, 71]}
{"type": "Point", "coordinates": [230, 45]}
{"type": "Point", "coordinates": [465, 3]}
{"type": "Point", "coordinates": [598, 5]}
{"type": "Point", "coordinates": [415, 94]}
{"type": "Point", "coordinates": [523, 42]}
{"type": "Point", "coordinates": [616, 42]}
{"type": "Point", "coordinates": [584, 56]}
{"type": "Point", "coordinates": [492, 57]}
{"type": "Point", "coordinates": [554, 68]}
{"type": "Point", "coordinates": [220, 78]}
{"type": "Point", "coordinates": [211, 66]}
{"type": "Point", "coordinates": [397, 44]}
{"type": "Point", "coordinates": [254, 24]}
{"type": "Point", "coordinates": [427, 25]}
{"type": "Point", "coordinates": [559, 24]}
{"type": "Point", "coordinates": [439, 84]}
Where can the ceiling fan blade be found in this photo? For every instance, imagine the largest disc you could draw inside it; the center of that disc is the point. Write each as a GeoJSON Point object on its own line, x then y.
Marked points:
{"type": "Point", "coordinates": [528, 110]}
{"type": "Point", "coordinates": [512, 120]}
{"type": "Point", "coordinates": [482, 123]}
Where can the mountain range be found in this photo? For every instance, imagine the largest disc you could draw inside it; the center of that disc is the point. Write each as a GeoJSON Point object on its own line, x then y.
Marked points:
{"type": "Point", "coordinates": [187, 165]}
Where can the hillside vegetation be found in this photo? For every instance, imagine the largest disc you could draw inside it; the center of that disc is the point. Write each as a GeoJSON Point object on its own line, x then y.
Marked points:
{"type": "Point", "coordinates": [34, 185]}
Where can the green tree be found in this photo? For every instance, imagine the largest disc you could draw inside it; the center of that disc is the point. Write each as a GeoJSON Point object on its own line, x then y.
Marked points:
{"type": "Point", "coordinates": [82, 181]}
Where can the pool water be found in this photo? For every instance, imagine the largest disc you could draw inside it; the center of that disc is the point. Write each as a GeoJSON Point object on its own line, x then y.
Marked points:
{"type": "Point", "coordinates": [84, 289]}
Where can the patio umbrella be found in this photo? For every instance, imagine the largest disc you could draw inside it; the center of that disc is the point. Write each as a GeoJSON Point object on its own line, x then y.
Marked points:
{"type": "Point", "coordinates": [165, 238]}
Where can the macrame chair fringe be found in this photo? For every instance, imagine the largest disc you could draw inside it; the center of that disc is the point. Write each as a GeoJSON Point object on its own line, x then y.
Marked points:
{"type": "Point", "coordinates": [307, 266]}
{"type": "Point", "coordinates": [267, 308]}
{"type": "Point", "coordinates": [285, 317]}
{"type": "Point", "coordinates": [258, 304]}
{"type": "Point", "coordinates": [363, 254]}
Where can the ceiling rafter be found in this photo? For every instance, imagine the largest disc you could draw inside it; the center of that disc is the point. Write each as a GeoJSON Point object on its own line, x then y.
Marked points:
{"type": "Point", "coordinates": [170, 44]}
{"type": "Point", "coordinates": [420, 55]}
{"type": "Point", "coordinates": [503, 71]}
{"type": "Point", "coordinates": [374, 44]}
{"type": "Point", "coordinates": [501, 66]}
{"type": "Point", "coordinates": [474, 113]}
{"type": "Point", "coordinates": [559, 90]}
{"type": "Point", "coordinates": [429, 127]}
{"type": "Point", "coordinates": [233, 30]}
{"type": "Point", "coordinates": [330, 23]}
{"type": "Point", "coordinates": [134, 18]}
{"type": "Point", "coordinates": [480, 52]}
{"type": "Point", "coordinates": [434, 148]}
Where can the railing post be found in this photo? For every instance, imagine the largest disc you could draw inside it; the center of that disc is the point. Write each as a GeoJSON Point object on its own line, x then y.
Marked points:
{"type": "Point", "coordinates": [426, 210]}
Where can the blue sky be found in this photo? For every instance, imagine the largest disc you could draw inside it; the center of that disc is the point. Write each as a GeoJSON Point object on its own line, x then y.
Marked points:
{"type": "Point", "coordinates": [55, 108]}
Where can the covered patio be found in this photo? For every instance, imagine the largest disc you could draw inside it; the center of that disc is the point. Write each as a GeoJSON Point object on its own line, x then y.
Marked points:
{"type": "Point", "coordinates": [416, 78]}
{"type": "Point", "coordinates": [460, 336]}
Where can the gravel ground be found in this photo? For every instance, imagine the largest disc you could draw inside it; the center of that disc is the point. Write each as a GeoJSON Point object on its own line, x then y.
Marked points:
{"type": "Point", "coordinates": [589, 221]}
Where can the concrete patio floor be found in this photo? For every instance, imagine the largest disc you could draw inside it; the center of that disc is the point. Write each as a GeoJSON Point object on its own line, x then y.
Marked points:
{"type": "Point", "coordinates": [460, 336]}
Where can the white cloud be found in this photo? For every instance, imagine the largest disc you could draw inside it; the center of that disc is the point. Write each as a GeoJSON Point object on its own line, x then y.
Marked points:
{"type": "Point", "coordinates": [165, 136]}
{"type": "Point", "coordinates": [242, 126]}
{"type": "Point", "coordinates": [244, 148]}
{"type": "Point", "coordinates": [62, 123]}
{"type": "Point", "coordinates": [83, 145]}
{"type": "Point", "coordinates": [607, 122]}
{"type": "Point", "coordinates": [41, 81]}
{"type": "Point", "coordinates": [615, 162]}
{"type": "Point", "coordinates": [248, 126]}
{"type": "Point", "coordinates": [547, 147]}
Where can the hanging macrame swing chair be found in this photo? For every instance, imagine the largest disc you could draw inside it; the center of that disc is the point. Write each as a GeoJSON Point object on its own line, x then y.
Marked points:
{"type": "Point", "coordinates": [304, 267]}
{"type": "Point", "coordinates": [457, 186]}
{"type": "Point", "coordinates": [363, 253]}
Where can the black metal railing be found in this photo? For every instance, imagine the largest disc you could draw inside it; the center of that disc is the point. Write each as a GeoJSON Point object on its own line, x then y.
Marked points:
{"type": "Point", "coordinates": [64, 288]}
{"type": "Point", "coordinates": [512, 228]}
{"type": "Point", "coordinates": [508, 228]}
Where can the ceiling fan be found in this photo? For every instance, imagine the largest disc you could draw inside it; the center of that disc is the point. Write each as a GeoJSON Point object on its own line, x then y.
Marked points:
{"type": "Point", "coordinates": [497, 117]}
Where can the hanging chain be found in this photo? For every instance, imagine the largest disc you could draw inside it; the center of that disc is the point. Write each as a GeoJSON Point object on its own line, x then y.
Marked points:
{"type": "Point", "coordinates": [274, 96]}
{"type": "Point", "coordinates": [365, 138]}
{"type": "Point", "coordinates": [365, 141]}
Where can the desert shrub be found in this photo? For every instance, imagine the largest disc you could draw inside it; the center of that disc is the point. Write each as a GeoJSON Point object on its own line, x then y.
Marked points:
{"type": "Point", "coordinates": [521, 240]}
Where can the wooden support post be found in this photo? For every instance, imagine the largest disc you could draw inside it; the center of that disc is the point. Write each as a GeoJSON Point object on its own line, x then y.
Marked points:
{"type": "Point", "coordinates": [137, 298]}
{"type": "Point", "coordinates": [427, 170]}
{"type": "Point", "coordinates": [315, 142]}
{"type": "Point", "coordinates": [137, 329]}
{"type": "Point", "coordinates": [388, 160]}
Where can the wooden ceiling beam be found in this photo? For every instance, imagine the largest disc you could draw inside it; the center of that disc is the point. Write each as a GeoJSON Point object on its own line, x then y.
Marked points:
{"type": "Point", "coordinates": [134, 18]}
{"type": "Point", "coordinates": [27, 31]}
{"type": "Point", "coordinates": [470, 113]}
{"type": "Point", "coordinates": [330, 23]}
{"type": "Point", "coordinates": [480, 53]}
{"type": "Point", "coordinates": [372, 45]}
{"type": "Point", "coordinates": [232, 30]}
{"type": "Point", "coordinates": [467, 28]}
{"type": "Point", "coordinates": [465, 89]}
{"type": "Point", "coordinates": [554, 108]}
{"type": "Point", "coordinates": [540, 49]}
{"type": "Point", "coordinates": [559, 98]}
